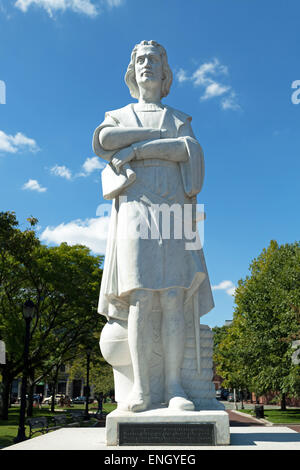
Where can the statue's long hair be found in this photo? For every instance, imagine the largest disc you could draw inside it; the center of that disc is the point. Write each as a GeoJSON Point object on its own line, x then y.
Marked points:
{"type": "Point", "coordinates": [167, 72]}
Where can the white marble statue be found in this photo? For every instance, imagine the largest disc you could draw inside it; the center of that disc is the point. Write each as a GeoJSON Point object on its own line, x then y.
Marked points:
{"type": "Point", "coordinates": [154, 288]}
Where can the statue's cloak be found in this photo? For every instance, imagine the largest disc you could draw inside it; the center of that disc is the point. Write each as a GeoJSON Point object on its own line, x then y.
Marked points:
{"type": "Point", "coordinates": [153, 264]}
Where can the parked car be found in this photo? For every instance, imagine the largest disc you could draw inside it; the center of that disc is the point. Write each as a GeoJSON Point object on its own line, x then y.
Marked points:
{"type": "Point", "coordinates": [48, 400]}
{"type": "Point", "coordinates": [35, 397]}
{"type": "Point", "coordinates": [224, 393]}
{"type": "Point", "coordinates": [81, 400]}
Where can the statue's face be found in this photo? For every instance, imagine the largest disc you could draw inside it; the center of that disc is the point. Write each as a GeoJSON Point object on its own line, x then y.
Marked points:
{"type": "Point", "coordinates": [148, 66]}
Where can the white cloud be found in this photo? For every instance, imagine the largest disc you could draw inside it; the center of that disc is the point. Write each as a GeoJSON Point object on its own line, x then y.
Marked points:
{"type": "Point", "coordinates": [92, 164]}
{"type": "Point", "coordinates": [181, 76]}
{"type": "Point", "coordinates": [16, 143]}
{"type": "Point", "coordinates": [51, 6]}
{"type": "Point", "coordinates": [209, 77]}
{"type": "Point", "coordinates": [62, 171]}
{"type": "Point", "coordinates": [33, 185]}
{"type": "Point", "coordinates": [3, 10]}
{"type": "Point", "coordinates": [202, 75]}
{"type": "Point", "coordinates": [229, 102]}
{"type": "Point", "coordinates": [87, 7]}
{"type": "Point", "coordinates": [89, 166]}
{"type": "Point", "coordinates": [227, 286]}
{"type": "Point", "coordinates": [114, 3]}
{"type": "Point", "coordinates": [214, 89]}
{"type": "Point", "coordinates": [90, 232]}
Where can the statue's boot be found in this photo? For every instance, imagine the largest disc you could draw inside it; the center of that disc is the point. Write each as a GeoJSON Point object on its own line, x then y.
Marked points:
{"type": "Point", "coordinates": [178, 400]}
{"type": "Point", "coordinates": [180, 403]}
{"type": "Point", "coordinates": [137, 401]}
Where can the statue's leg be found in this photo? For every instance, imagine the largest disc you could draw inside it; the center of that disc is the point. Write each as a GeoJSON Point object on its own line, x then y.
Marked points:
{"type": "Point", "coordinates": [173, 339]}
{"type": "Point", "coordinates": [138, 338]}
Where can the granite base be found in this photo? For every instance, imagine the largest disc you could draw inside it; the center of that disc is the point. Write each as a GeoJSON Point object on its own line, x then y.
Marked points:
{"type": "Point", "coordinates": [163, 417]}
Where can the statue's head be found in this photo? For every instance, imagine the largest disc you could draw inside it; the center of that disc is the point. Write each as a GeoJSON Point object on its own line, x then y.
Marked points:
{"type": "Point", "coordinates": [161, 69]}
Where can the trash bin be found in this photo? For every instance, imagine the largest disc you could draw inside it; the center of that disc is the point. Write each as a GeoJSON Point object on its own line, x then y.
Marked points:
{"type": "Point", "coordinates": [259, 411]}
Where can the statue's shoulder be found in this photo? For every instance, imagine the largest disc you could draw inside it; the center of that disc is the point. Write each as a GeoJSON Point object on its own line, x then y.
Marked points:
{"type": "Point", "coordinates": [180, 115]}
{"type": "Point", "coordinates": [126, 114]}
{"type": "Point", "coordinates": [120, 114]}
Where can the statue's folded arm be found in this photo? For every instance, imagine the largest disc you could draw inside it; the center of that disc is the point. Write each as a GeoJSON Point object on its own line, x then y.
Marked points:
{"type": "Point", "coordinates": [166, 149]}
{"type": "Point", "coordinates": [115, 138]}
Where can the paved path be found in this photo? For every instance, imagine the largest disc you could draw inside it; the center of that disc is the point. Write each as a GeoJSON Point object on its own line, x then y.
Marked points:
{"type": "Point", "coordinates": [246, 433]}
{"type": "Point", "coordinates": [295, 427]}
{"type": "Point", "coordinates": [237, 419]}
{"type": "Point", "coordinates": [241, 438]}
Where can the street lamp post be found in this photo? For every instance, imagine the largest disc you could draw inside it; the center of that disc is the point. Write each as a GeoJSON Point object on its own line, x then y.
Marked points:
{"type": "Point", "coordinates": [28, 310]}
{"type": "Point", "coordinates": [88, 356]}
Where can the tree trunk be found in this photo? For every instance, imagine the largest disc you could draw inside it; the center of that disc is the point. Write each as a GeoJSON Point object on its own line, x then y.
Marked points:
{"type": "Point", "coordinates": [283, 402]}
{"type": "Point", "coordinates": [242, 399]}
{"type": "Point", "coordinates": [54, 385]}
{"type": "Point", "coordinates": [6, 383]}
{"type": "Point", "coordinates": [234, 399]}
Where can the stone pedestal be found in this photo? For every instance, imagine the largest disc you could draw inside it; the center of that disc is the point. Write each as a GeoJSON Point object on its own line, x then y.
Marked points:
{"type": "Point", "coordinates": [162, 426]}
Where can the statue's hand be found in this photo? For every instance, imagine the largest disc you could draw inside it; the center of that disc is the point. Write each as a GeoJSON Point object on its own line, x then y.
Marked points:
{"type": "Point", "coordinates": [121, 157]}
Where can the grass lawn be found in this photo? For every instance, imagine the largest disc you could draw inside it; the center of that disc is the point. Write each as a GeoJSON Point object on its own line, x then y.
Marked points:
{"type": "Point", "coordinates": [9, 429]}
{"type": "Point", "coordinates": [290, 416]}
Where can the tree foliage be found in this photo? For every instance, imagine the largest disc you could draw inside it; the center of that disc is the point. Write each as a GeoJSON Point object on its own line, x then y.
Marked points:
{"type": "Point", "coordinates": [101, 375]}
{"type": "Point", "coordinates": [63, 282]}
{"type": "Point", "coordinates": [256, 348]}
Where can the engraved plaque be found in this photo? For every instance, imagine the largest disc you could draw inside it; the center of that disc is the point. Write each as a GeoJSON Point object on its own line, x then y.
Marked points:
{"type": "Point", "coordinates": [167, 434]}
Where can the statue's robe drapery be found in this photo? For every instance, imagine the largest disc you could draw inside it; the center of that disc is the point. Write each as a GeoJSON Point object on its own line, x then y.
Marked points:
{"type": "Point", "coordinates": [138, 263]}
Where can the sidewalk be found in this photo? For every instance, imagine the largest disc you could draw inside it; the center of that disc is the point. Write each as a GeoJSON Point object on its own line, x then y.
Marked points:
{"type": "Point", "coordinates": [237, 418]}
{"type": "Point", "coordinates": [242, 437]}
{"type": "Point", "coordinates": [294, 427]}
{"type": "Point", "coordinates": [241, 419]}
{"type": "Point", "coordinates": [246, 433]}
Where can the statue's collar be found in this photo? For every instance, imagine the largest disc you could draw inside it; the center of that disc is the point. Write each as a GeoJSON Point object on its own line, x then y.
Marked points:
{"type": "Point", "coordinates": [138, 122]}
{"type": "Point", "coordinates": [145, 107]}
{"type": "Point", "coordinates": [128, 117]}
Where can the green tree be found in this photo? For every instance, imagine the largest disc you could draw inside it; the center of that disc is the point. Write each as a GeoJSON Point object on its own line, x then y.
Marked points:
{"type": "Point", "coordinates": [229, 356]}
{"type": "Point", "coordinates": [16, 248]}
{"type": "Point", "coordinates": [63, 282]}
{"type": "Point", "coordinates": [101, 375]}
{"type": "Point", "coordinates": [264, 318]}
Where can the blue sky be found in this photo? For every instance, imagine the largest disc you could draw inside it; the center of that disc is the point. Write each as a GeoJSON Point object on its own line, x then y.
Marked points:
{"type": "Point", "coordinates": [234, 62]}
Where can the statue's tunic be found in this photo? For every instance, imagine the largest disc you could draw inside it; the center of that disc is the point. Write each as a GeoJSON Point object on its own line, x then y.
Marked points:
{"type": "Point", "coordinates": [135, 259]}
